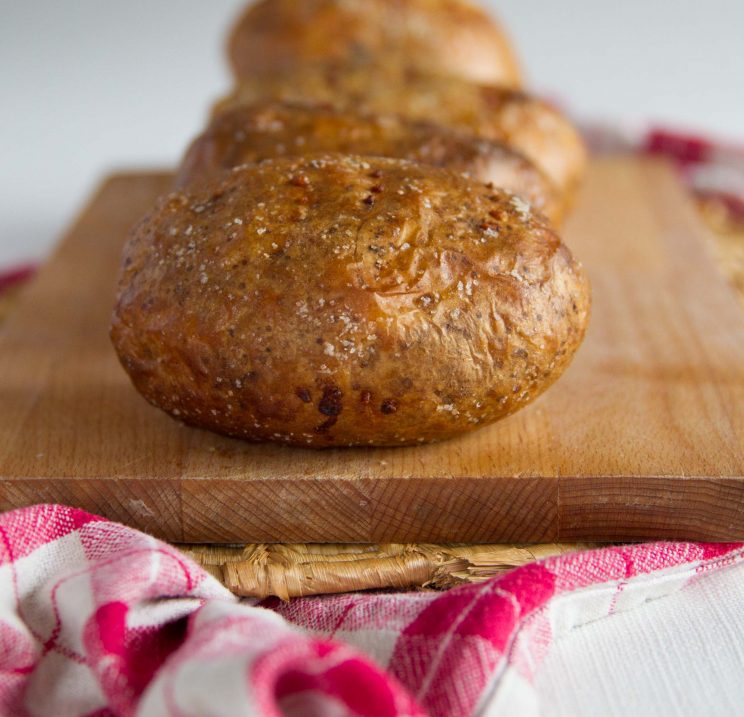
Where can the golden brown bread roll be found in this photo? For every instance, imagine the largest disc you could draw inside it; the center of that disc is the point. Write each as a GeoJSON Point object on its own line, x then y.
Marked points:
{"type": "Point", "coordinates": [446, 36]}
{"type": "Point", "coordinates": [250, 133]}
{"type": "Point", "coordinates": [338, 300]}
{"type": "Point", "coordinates": [529, 125]}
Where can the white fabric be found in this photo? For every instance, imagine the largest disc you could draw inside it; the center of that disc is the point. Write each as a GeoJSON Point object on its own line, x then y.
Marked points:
{"type": "Point", "coordinates": [680, 655]}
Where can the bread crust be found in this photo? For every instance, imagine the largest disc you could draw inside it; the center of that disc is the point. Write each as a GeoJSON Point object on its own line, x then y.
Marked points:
{"type": "Point", "coordinates": [525, 123]}
{"type": "Point", "coordinates": [338, 300]}
{"type": "Point", "coordinates": [248, 134]}
{"type": "Point", "coordinates": [445, 36]}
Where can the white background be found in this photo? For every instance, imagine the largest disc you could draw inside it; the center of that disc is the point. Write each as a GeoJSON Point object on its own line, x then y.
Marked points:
{"type": "Point", "coordinates": [87, 86]}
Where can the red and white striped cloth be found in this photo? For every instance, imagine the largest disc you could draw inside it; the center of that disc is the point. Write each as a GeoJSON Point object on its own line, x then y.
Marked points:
{"type": "Point", "coordinates": [97, 619]}
{"type": "Point", "coordinates": [710, 169]}
{"type": "Point", "coordinates": [15, 277]}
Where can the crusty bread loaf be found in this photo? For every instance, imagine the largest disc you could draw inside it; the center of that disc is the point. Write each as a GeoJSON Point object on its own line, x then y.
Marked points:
{"type": "Point", "coordinates": [338, 300]}
{"type": "Point", "coordinates": [445, 36]}
{"type": "Point", "coordinates": [251, 133]}
{"type": "Point", "coordinates": [529, 125]}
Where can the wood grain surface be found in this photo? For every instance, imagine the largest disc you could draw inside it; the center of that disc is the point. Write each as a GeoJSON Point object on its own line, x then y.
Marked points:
{"type": "Point", "coordinates": [642, 438]}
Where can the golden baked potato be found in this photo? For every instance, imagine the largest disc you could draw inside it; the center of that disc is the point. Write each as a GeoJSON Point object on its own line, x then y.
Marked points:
{"type": "Point", "coordinates": [525, 123]}
{"type": "Point", "coordinates": [251, 133]}
{"type": "Point", "coordinates": [447, 36]}
{"type": "Point", "coordinates": [339, 300]}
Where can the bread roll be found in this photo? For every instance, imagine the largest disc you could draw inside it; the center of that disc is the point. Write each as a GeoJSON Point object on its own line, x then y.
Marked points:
{"type": "Point", "coordinates": [338, 301]}
{"type": "Point", "coordinates": [446, 36]}
{"type": "Point", "coordinates": [525, 123]}
{"type": "Point", "coordinates": [251, 133]}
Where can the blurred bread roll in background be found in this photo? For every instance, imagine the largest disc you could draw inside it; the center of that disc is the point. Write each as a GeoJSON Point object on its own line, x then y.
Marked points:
{"type": "Point", "coordinates": [251, 133]}
{"type": "Point", "coordinates": [442, 36]}
{"type": "Point", "coordinates": [525, 123]}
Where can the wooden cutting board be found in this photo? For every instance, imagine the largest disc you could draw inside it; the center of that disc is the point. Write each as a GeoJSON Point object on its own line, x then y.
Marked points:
{"type": "Point", "coordinates": [642, 438]}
